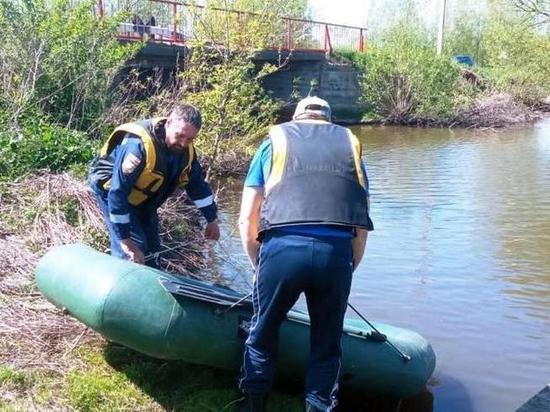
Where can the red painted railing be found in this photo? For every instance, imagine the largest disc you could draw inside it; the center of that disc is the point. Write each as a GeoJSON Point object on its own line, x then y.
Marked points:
{"type": "Point", "coordinates": [176, 23]}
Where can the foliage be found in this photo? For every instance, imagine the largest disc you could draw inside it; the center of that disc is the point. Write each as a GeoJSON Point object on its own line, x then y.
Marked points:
{"type": "Point", "coordinates": [9, 376]}
{"type": "Point", "coordinates": [221, 78]}
{"type": "Point", "coordinates": [42, 145]}
{"type": "Point", "coordinates": [358, 59]}
{"type": "Point", "coordinates": [406, 82]}
{"type": "Point", "coordinates": [57, 59]}
{"type": "Point", "coordinates": [234, 31]}
{"type": "Point", "coordinates": [236, 110]}
{"type": "Point", "coordinates": [538, 10]}
{"type": "Point", "coordinates": [250, 24]}
{"type": "Point", "coordinates": [57, 62]}
{"type": "Point", "coordinates": [466, 38]}
{"type": "Point", "coordinates": [518, 59]}
{"type": "Point", "coordinates": [225, 83]}
{"type": "Point", "coordinates": [405, 79]}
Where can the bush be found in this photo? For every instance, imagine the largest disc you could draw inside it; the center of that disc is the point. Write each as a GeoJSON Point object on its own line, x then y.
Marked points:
{"type": "Point", "coordinates": [237, 111]}
{"type": "Point", "coordinates": [42, 145]}
{"type": "Point", "coordinates": [226, 87]}
{"type": "Point", "coordinates": [466, 38]}
{"type": "Point", "coordinates": [405, 79]}
{"type": "Point", "coordinates": [57, 58]}
{"type": "Point", "coordinates": [518, 59]}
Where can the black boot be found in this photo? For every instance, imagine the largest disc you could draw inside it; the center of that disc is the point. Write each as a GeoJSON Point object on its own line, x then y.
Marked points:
{"type": "Point", "coordinates": [253, 402]}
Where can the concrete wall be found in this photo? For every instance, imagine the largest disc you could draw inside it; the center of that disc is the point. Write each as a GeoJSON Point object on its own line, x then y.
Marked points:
{"type": "Point", "coordinates": [153, 60]}
{"type": "Point", "coordinates": [337, 82]}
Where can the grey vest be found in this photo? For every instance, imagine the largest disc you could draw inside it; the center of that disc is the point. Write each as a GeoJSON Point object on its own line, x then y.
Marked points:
{"type": "Point", "coordinates": [315, 177]}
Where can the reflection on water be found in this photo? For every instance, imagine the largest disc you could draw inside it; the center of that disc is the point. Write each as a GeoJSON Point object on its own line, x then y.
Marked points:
{"type": "Point", "coordinates": [460, 254]}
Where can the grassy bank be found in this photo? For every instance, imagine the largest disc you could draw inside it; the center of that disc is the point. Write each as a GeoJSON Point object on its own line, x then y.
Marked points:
{"type": "Point", "coordinates": [98, 376]}
{"type": "Point", "coordinates": [51, 361]}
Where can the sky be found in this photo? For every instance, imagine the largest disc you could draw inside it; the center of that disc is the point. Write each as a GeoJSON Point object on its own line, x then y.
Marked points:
{"type": "Point", "coordinates": [369, 13]}
{"type": "Point", "coordinates": [351, 12]}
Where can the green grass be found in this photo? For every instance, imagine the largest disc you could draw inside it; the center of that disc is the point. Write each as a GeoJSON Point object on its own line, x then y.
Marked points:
{"type": "Point", "coordinates": [117, 378]}
{"type": "Point", "coordinates": [11, 377]}
{"type": "Point", "coordinates": [19, 386]}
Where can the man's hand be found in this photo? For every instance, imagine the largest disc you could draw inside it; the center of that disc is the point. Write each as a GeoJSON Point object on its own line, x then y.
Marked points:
{"type": "Point", "coordinates": [132, 250]}
{"type": "Point", "coordinates": [359, 243]}
{"type": "Point", "coordinates": [212, 231]}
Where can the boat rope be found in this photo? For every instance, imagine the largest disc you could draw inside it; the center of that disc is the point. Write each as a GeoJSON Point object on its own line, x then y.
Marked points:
{"type": "Point", "coordinates": [382, 337]}
{"type": "Point", "coordinates": [231, 299]}
{"type": "Point", "coordinates": [224, 253]}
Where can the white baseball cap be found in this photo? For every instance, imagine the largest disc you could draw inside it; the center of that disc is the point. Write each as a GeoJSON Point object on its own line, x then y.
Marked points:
{"type": "Point", "coordinates": [312, 105]}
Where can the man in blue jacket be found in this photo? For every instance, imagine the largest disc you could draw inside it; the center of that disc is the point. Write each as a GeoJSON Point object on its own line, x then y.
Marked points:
{"type": "Point", "coordinates": [139, 166]}
{"type": "Point", "coordinates": [304, 221]}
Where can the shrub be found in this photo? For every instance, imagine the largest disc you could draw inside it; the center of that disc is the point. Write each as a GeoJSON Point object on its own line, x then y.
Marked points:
{"type": "Point", "coordinates": [404, 78]}
{"type": "Point", "coordinates": [518, 59]}
{"type": "Point", "coordinates": [57, 58]}
{"type": "Point", "coordinates": [42, 145]}
{"type": "Point", "coordinates": [237, 111]}
{"type": "Point", "coordinates": [226, 87]}
{"type": "Point", "coordinates": [466, 38]}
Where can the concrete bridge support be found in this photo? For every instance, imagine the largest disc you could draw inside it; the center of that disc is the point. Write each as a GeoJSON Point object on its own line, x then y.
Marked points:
{"type": "Point", "coordinates": [338, 83]}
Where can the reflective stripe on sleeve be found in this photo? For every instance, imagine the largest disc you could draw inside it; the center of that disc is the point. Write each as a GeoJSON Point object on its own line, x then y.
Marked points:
{"type": "Point", "coordinates": [120, 218]}
{"type": "Point", "coordinates": [207, 201]}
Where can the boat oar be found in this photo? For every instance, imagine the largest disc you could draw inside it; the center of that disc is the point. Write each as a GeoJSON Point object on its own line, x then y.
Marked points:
{"type": "Point", "coordinates": [380, 335]}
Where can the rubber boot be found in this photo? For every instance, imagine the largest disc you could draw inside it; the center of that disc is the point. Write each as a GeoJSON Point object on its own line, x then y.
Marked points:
{"type": "Point", "coordinates": [253, 402]}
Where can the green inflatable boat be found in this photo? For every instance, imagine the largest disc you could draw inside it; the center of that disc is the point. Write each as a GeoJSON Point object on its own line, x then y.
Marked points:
{"type": "Point", "coordinates": [172, 317]}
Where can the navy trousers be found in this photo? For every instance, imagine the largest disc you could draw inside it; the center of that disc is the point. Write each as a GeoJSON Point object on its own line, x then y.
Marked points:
{"type": "Point", "coordinates": [321, 268]}
{"type": "Point", "coordinates": [144, 231]}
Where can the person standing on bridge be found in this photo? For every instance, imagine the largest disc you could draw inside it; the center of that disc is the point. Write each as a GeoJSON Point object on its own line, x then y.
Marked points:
{"type": "Point", "coordinates": [304, 222]}
{"type": "Point", "coordinates": [139, 166]}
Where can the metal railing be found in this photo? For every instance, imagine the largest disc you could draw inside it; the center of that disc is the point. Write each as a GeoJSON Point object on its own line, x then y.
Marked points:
{"type": "Point", "coordinates": [169, 21]}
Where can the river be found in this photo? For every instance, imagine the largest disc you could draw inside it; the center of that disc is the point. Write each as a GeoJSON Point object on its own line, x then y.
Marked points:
{"type": "Point", "coordinates": [460, 254]}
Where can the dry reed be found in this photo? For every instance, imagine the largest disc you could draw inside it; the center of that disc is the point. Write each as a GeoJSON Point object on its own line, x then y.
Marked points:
{"type": "Point", "coordinates": [46, 210]}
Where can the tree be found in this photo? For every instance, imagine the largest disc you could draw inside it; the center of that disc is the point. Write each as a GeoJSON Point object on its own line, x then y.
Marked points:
{"type": "Point", "coordinates": [539, 10]}
{"type": "Point", "coordinates": [57, 60]}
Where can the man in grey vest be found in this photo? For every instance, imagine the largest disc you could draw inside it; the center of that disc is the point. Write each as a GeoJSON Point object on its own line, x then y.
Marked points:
{"type": "Point", "coordinates": [304, 222]}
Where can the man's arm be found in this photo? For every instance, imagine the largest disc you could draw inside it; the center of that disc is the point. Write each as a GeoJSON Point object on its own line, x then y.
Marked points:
{"type": "Point", "coordinates": [359, 242]}
{"type": "Point", "coordinates": [201, 194]}
{"type": "Point", "coordinates": [249, 220]}
{"type": "Point", "coordinates": [129, 162]}
{"type": "Point", "coordinates": [252, 199]}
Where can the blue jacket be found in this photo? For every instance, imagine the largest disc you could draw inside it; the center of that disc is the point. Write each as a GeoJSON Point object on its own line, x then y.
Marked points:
{"type": "Point", "coordinates": [128, 162]}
